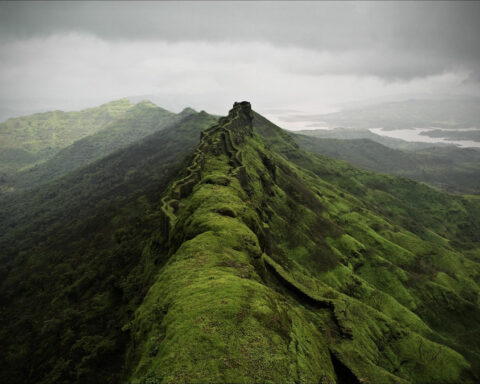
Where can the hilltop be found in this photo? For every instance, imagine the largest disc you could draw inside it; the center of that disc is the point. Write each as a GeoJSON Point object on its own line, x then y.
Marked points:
{"type": "Point", "coordinates": [43, 146]}
{"type": "Point", "coordinates": [25, 141]}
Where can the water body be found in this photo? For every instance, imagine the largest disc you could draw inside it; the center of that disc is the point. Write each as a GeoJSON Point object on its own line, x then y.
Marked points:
{"type": "Point", "coordinates": [414, 134]}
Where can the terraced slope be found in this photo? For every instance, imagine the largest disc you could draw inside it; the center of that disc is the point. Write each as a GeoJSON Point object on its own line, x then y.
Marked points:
{"type": "Point", "coordinates": [275, 274]}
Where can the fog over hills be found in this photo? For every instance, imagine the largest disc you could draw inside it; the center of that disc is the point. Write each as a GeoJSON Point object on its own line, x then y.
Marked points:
{"type": "Point", "coordinates": [308, 57]}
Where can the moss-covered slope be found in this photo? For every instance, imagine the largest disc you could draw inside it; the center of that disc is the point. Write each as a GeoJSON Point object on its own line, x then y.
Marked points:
{"type": "Point", "coordinates": [254, 261]}
{"type": "Point", "coordinates": [276, 274]}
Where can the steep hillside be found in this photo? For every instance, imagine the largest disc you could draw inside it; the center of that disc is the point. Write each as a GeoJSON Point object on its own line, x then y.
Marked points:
{"type": "Point", "coordinates": [275, 274]}
{"type": "Point", "coordinates": [449, 168]}
{"type": "Point", "coordinates": [25, 141]}
{"type": "Point", "coordinates": [136, 123]}
{"type": "Point", "coordinates": [363, 153]}
{"type": "Point", "coordinates": [259, 263]}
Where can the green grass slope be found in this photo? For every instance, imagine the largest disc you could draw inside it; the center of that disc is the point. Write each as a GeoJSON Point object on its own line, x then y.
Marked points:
{"type": "Point", "coordinates": [428, 236]}
{"type": "Point", "coordinates": [25, 141]}
{"type": "Point", "coordinates": [136, 123]}
{"type": "Point", "coordinates": [209, 317]}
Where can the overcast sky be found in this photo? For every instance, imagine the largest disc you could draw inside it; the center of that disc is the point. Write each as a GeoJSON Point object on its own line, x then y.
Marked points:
{"type": "Point", "coordinates": [284, 57]}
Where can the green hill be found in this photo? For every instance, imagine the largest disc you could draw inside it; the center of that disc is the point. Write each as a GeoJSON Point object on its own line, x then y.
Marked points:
{"type": "Point", "coordinates": [259, 262]}
{"type": "Point", "coordinates": [128, 172]}
{"type": "Point", "coordinates": [25, 141]}
{"type": "Point", "coordinates": [137, 122]}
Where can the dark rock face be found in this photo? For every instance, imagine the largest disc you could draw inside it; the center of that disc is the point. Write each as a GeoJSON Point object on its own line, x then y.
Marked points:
{"type": "Point", "coordinates": [245, 107]}
{"type": "Point", "coordinates": [241, 117]}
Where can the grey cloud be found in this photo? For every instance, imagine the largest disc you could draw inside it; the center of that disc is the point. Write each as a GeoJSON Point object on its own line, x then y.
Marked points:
{"type": "Point", "coordinates": [410, 39]}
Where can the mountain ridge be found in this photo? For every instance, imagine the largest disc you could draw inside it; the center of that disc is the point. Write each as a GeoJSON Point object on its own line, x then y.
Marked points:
{"type": "Point", "coordinates": [137, 122]}
{"type": "Point", "coordinates": [258, 262]}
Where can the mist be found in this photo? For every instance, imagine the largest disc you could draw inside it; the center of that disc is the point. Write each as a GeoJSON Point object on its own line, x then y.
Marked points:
{"type": "Point", "coordinates": [310, 58]}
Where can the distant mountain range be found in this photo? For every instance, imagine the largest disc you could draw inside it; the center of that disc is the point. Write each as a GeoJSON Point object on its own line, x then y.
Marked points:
{"type": "Point", "coordinates": [456, 113]}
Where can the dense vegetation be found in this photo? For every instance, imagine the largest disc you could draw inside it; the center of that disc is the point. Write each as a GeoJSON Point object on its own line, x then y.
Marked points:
{"type": "Point", "coordinates": [138, 122]}
{"type": "Point", "coordinates": [259, 263]}
{"type": "Point", "coordinates": [449, 168]}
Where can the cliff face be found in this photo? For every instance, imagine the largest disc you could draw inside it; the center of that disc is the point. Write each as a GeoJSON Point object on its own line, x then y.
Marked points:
{"type": "Point", "coordinates": [269, 278]}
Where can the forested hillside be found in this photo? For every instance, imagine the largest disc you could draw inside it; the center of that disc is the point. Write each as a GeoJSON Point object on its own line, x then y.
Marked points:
{"type": "Point", "coordinates": [71, 267]}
